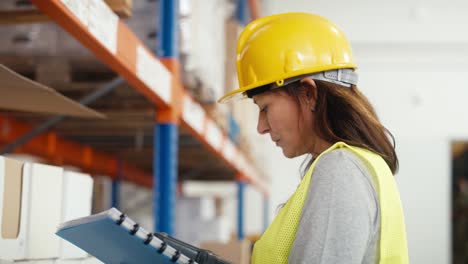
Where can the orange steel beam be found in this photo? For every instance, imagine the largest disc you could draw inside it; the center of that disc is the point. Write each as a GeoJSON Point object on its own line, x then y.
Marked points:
{"type": "Point", "coordinates": [254, 9]}
{"type": "Point", "coordinates": [172, 115]}
{"type": "Point", "coordinates": [64, 152]}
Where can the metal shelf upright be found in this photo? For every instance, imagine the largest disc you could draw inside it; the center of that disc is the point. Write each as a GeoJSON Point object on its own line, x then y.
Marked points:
{"type": "Point", "coordinates": [166, 128]}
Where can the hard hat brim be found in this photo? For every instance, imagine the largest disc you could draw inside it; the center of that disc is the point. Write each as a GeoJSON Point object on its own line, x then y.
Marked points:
{"type": "Point", "coordinates": [240, 93]}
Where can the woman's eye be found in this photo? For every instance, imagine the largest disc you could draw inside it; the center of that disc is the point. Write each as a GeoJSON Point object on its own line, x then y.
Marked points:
{"type": "Point", "coordinates": [263, 110]}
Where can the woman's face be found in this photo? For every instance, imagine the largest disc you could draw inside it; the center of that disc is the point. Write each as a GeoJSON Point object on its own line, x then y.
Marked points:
{"type": "Point", "coordinates": [288, 122]}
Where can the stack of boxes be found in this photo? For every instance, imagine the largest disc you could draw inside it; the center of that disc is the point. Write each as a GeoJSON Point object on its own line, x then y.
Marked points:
{"type": "Point", "coordinates": [197, 221]}
{"type": "Point", "coordinates": [34, 199]}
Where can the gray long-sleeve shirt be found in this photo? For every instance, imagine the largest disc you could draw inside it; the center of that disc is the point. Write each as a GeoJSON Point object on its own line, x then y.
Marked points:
{"type": "Point", "coordinates": [340, 221]}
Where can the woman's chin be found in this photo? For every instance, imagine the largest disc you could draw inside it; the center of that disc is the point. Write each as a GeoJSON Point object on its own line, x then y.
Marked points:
{"type": "Point", "coordinates": [288, 154]}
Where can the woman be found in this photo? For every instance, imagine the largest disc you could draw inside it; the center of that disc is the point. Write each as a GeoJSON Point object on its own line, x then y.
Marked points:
{"type": "Point", "coordinates": [298, 68]}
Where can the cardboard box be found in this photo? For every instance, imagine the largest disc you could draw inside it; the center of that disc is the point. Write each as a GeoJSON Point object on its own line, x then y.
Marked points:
{"type": "Point", "coordinates": [14, 209]}
{"type": "Point", "coordinates": [22, 94]}
{"type": "Point", "coordinates": [237, 252]}
{"type": "Point", "coordinates": [102, 194]}
{"type": "Point", "coordinates": [31, 203]}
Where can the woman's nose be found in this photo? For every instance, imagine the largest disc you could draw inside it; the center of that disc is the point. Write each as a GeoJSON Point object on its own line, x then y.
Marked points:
{"type": "Point", "coordinates": [262, 125]}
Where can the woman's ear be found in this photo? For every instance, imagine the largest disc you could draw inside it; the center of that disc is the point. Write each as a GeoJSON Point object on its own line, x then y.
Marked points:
{"type": "Point", "coordinates": [311, 92]}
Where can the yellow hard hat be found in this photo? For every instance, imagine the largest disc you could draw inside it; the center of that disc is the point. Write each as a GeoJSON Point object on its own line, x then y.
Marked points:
{"type": "Point", "coordinates": [274, 49]}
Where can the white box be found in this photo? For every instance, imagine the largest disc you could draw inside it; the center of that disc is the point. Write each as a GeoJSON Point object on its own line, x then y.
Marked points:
{"type": "Point", "coordinates": [14, 208]}
{"type": "Point", "coordinates": [45, 211]}
{"type": "Point", "coordinates": [188, 230]}
{"type": "Point", "coordinates": [192, 215]}
{"type": "Point", "coordinates": [77, 201]}
{"type": "Point", "coordinates": [69, 261]}
{"type": "Point", "coordinates": [218, 229]}
{"type": "Point", "coordinates": [196, 207]}
{"type": "Point", "coordinates": [29, 261]}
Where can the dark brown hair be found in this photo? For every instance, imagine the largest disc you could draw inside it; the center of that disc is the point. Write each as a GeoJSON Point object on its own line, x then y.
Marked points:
{"type": "Point", "coordinates": [344, 114]}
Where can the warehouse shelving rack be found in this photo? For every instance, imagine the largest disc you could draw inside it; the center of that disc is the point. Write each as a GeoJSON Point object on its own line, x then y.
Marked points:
{"type": "Point", "coordinates": [157, 78]}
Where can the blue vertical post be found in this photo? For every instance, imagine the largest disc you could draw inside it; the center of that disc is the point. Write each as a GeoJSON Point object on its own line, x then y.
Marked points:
{"type": "Point", "coordinates": [266, 212]}
{"type": "Point", "coordinates": [116, 185]}
{"type": "Point", "coordinates": [241, 12]}
{"type": "Point", "coordinates": [115, 193]}
{"type": "Point", "coordinates": [241, 15]}
{"type": "Point", "coordinates": [240, 209]}
{"type": "Point", "coordinates": [165, 176]}
{"type": "Point", "coordinates": [168, 26]}
{"type": "Point", "coordinates": [166, 131]}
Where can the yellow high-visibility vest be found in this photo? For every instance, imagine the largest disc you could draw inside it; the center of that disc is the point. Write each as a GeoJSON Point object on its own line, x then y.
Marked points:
{"type": "Point", "coordinates": [275, 244]}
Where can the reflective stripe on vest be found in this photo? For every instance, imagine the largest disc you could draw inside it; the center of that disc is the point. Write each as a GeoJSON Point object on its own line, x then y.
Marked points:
{"type": "Point", "coordinates": [275, 244]}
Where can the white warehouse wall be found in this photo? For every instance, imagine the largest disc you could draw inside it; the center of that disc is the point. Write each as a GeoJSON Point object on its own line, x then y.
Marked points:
{"type": "Point", "coordinates": [413, 66]}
